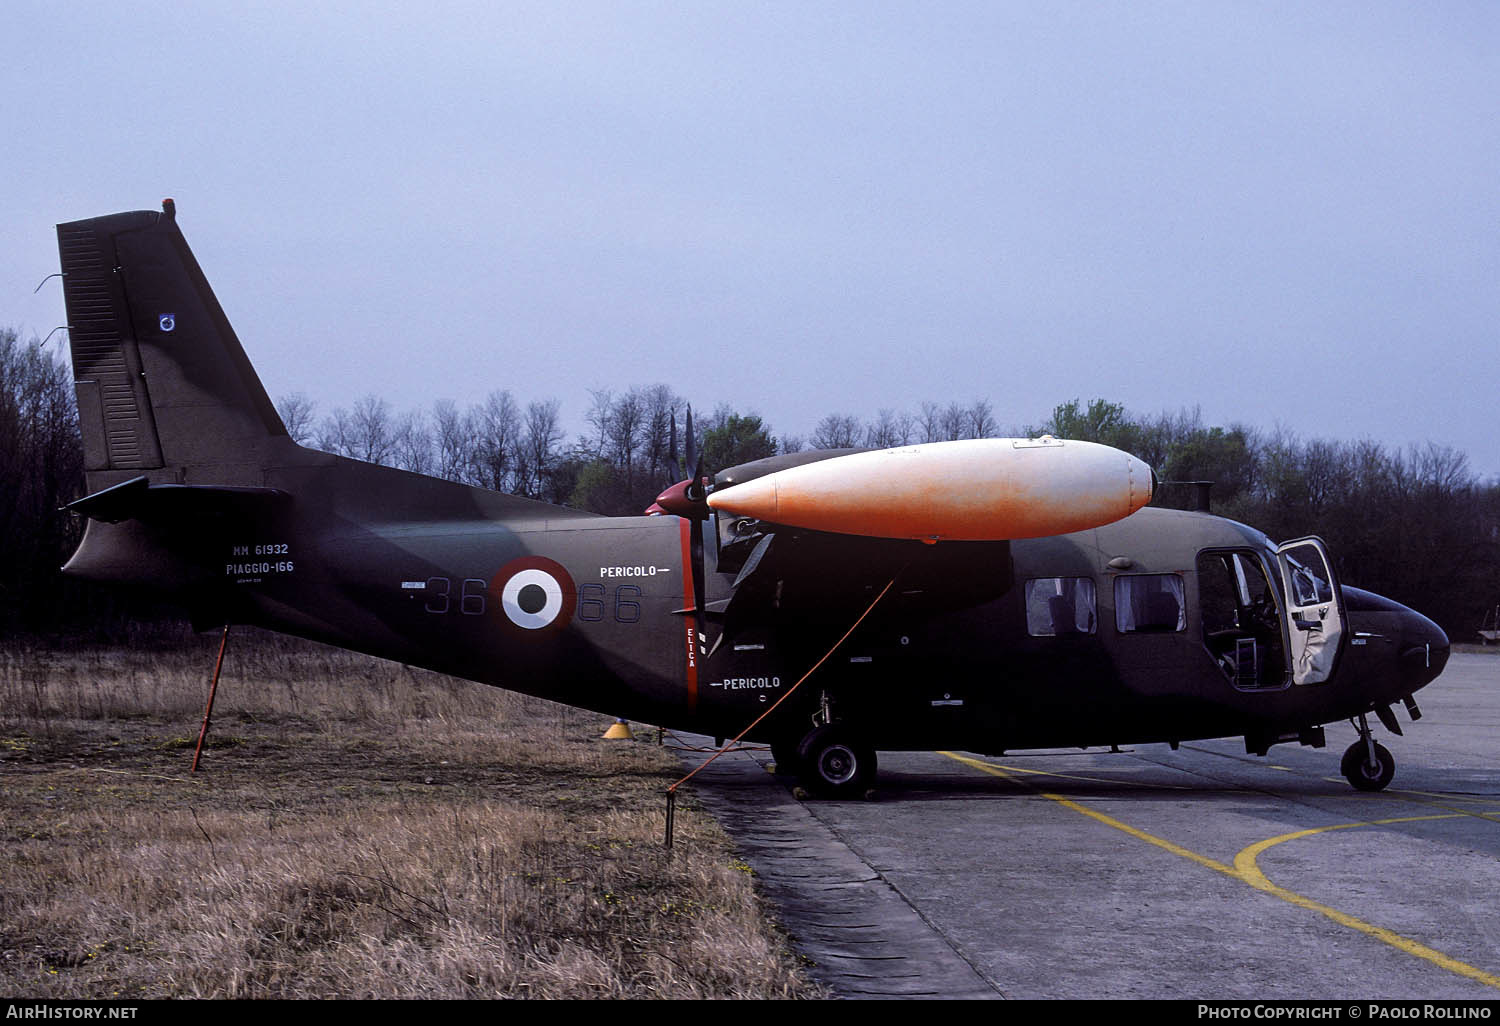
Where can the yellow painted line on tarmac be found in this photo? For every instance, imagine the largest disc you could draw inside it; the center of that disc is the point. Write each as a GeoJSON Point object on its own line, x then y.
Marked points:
{"type": "Point", "coordinates": [1246, 870]}
{"type": "Point", "coordinates": [1442, 801]}
{"type": "Point", "coordinates": [1077, 776]}
{"type": "Point", "coordinates": [1398, 794]}
{"type": "Point", "coordinates": [1448, 796]}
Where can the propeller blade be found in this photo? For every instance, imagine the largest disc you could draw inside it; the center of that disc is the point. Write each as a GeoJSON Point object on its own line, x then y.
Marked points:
{"type": "Point", "coordinates": [759, 553]}
{"type": "Point", "coordinates": [695, 492]}
{"type": "Point", "coordinates": [695, 555]}
{"type": "Point", "coordinates": [672, 447]}
{"type": "Point", "coordinates": [695, 489]}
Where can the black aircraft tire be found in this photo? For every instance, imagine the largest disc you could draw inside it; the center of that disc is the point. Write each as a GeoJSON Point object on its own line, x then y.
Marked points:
{"type": "Point", "coordinates": [784, 757]}
{"type": "Point", "coordinates": [834, 764]}
{"type": "Point", "coordinates": [1360, 774]}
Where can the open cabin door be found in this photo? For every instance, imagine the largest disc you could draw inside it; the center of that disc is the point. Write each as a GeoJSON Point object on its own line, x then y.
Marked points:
{"type": "Point", "coordinates": [1315, 609]}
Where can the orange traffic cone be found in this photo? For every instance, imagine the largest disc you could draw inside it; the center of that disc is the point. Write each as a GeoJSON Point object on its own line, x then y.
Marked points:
{"type": "Point", "coordinates": [619, 731]}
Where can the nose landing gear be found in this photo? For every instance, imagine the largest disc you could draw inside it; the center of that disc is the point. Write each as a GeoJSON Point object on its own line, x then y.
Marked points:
{"type": "Point", "coordinates": [1367, 765]}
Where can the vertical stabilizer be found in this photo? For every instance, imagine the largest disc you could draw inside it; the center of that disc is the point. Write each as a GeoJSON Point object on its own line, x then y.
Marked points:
{"type": "Point", "coordinates": [164, 386]}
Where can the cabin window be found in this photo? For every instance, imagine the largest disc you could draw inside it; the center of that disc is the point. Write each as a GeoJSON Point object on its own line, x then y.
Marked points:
{"type": "Point", "coordinates": [1149, 602]}
{"type": "Point", "coordinates": [1060, 605]}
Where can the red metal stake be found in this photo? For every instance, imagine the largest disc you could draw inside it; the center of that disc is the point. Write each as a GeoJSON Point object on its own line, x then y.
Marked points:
{"type": "Point", "coordinates": [212, 688]}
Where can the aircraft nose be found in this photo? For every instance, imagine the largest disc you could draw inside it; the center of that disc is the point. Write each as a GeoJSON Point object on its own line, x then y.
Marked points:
{"type": "Point", "coordinates": [1424, 649]}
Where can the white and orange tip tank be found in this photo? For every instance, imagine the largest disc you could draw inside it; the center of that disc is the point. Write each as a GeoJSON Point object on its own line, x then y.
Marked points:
{"type": "Point", "coordinates": [981, 489]}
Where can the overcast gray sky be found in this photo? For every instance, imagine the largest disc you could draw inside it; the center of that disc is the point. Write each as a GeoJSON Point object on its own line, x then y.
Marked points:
{"type": "Point", "coordinates": [1285, 213]}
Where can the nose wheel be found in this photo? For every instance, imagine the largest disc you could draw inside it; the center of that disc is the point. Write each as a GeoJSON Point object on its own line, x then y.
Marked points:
{"type": "Point", "coordinates": [1367, 765]}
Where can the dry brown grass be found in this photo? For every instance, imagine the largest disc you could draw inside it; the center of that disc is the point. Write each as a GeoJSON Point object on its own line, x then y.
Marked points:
{"type": "Point", "coordinates": [359, 829]}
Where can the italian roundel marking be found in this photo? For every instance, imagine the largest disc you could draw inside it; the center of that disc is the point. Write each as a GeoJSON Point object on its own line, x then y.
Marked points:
{"type": "Point", "coordinates": [536, 593]}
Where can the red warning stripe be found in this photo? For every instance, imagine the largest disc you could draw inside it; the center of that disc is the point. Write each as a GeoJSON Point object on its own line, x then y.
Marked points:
{"type": "Point", "coordinates": [690, 621]}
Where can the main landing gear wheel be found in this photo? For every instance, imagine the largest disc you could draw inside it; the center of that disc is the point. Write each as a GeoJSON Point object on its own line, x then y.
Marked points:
{"type": "Point", "coordinates": [1359, 771]}
{"type": "Point", "coordinates": [833, 764]}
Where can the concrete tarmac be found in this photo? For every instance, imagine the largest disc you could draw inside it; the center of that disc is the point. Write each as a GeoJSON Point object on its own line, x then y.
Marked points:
{"type": "Point", "coordinates": [1201, 873]}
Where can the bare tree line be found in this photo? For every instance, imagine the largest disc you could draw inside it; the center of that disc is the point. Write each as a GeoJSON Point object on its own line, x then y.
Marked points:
{"type": "Point", "coordinates": [931, 422]}
{"type": "Point", "coordinates": [41, 468]}
{"type": "Point", "coordinates": [505, 446]}
{"type": "Point", "coordinates": [495, 444]}
{"type": "Point", "coordinates": [634, 446]}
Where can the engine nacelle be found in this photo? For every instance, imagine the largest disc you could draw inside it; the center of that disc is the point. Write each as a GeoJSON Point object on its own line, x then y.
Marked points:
{"type": "Point", "coordinates": [982, 489]}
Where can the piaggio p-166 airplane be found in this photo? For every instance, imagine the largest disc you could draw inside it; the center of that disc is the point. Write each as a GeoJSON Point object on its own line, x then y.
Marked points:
{"type": "Point", "coordinates": [1015, 593]}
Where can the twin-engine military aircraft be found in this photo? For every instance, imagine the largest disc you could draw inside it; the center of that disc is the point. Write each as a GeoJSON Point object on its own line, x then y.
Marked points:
{"type": "Point", "coordinates": [1008, 593]}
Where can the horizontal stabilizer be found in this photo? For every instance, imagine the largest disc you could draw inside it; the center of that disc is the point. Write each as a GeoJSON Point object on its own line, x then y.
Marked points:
{"type": "Point", "coordinates": [138, 499]}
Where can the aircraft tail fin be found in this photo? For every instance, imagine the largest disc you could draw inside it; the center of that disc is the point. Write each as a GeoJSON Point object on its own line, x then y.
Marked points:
{"type": "Point", "coordinates": [163, 384]}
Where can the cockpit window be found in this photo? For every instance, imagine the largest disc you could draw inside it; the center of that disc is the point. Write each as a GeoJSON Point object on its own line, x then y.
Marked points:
{"type": "Point", "coordinates": [1059, 606]}
{"type": "Point", "coordinates": [1149, 602]}
{"type": "Point", "coordinates": [1305, 576]}
{"type": "Point", "coordinates": [1241, 619]}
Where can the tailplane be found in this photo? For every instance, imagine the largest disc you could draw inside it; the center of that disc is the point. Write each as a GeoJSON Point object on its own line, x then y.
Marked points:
{"type": "Point", "coordinates": [163, 385]}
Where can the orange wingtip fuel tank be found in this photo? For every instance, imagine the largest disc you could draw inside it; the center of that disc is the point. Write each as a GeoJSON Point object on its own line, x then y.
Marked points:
{"type": "Point", "coordinates": [982, 489]}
